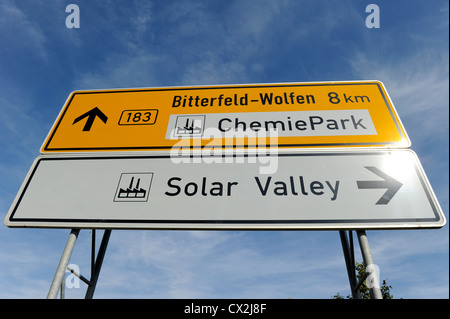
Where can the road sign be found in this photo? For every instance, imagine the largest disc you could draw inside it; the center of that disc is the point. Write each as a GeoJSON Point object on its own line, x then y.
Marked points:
{"type": "Point", "coordinates": [325, 114]}
{"type": "Point", "coordinates": [369, 189]}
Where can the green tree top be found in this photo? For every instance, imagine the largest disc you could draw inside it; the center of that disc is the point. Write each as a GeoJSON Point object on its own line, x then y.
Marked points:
{"type": "Point", "coordinates": [364, 290]}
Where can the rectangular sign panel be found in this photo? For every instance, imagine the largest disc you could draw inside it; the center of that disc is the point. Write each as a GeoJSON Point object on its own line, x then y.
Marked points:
{"type": "Point", "coordinates": [326, 114]}
{"type": "Point", "coordinates": [370, 189]}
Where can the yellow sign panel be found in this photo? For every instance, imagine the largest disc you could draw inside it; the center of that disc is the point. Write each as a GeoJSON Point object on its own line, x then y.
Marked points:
{"type": "Point", "coordinates": [294, 115]}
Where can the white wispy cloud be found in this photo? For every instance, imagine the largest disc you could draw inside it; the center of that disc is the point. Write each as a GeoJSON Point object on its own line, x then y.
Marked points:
{"type": "Point", "coordinates": [418, 86]}
{"type": "Point", "coordinates": [184, 264]}
{"type": "Point", "coordinates": [28, 259]}
{"type": "Point", "coordinates": [138, 69]}
{"type": "Point", "coordinates": [199, 43]}
{"type": "Point", "coordinates": [397, 254]}
{"type": "Point", "coordinates": [20, 32]}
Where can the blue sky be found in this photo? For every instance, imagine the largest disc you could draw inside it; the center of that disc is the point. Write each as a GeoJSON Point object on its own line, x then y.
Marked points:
{"type": "Point", "coordinates": [123, 44]}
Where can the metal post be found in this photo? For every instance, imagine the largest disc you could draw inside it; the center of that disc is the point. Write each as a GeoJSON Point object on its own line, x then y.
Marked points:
{"type": "Point", "coordinates": [374, 285]}
{"type": "Point", "coordinates": [98, 264]}
{"type": "Point", "coordinates": [352, 253]}
{"type": "Point", "coordinates": [93, 252]}
{"type": "Point", "coordinates": [62, 291]}
{"type": "Point", "coordinates": [64, 261]}
{"type": "Point", "coordinates": [349, 262]}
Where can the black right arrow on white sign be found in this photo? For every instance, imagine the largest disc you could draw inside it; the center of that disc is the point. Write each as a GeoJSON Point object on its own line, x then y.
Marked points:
{"type": "Point", "coordinates": [388, 182]}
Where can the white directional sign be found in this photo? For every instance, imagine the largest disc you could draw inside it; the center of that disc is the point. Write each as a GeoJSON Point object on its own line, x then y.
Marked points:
{"type": "Point", "coordinates": [296, 190]}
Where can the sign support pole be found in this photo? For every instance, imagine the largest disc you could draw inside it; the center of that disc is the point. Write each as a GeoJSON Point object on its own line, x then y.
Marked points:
{"type": "Point", "coordinates": [93, 251]}
{"type": "Point", "coordinates": [371, 272]}
{"type": "Point", "coordinates": [64, 261]}
{"type": "Point", "coordinates": [349, 257]}
{"type": "Point", "coordinates": [98, 264]}
{"type": "Point", "coordinates": [374, 284]}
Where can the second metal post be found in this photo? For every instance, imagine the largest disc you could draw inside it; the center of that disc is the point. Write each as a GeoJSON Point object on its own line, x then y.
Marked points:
{"type": "Point", "coordinates": [373, 280]}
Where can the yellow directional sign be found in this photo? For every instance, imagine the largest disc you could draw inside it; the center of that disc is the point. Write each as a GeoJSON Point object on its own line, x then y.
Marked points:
{"type": "Point", "coordinates": [288, 115]}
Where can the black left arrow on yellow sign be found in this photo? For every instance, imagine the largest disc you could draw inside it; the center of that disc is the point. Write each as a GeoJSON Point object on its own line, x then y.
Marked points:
{"type": "Point", "coordinates": [91, 115]}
